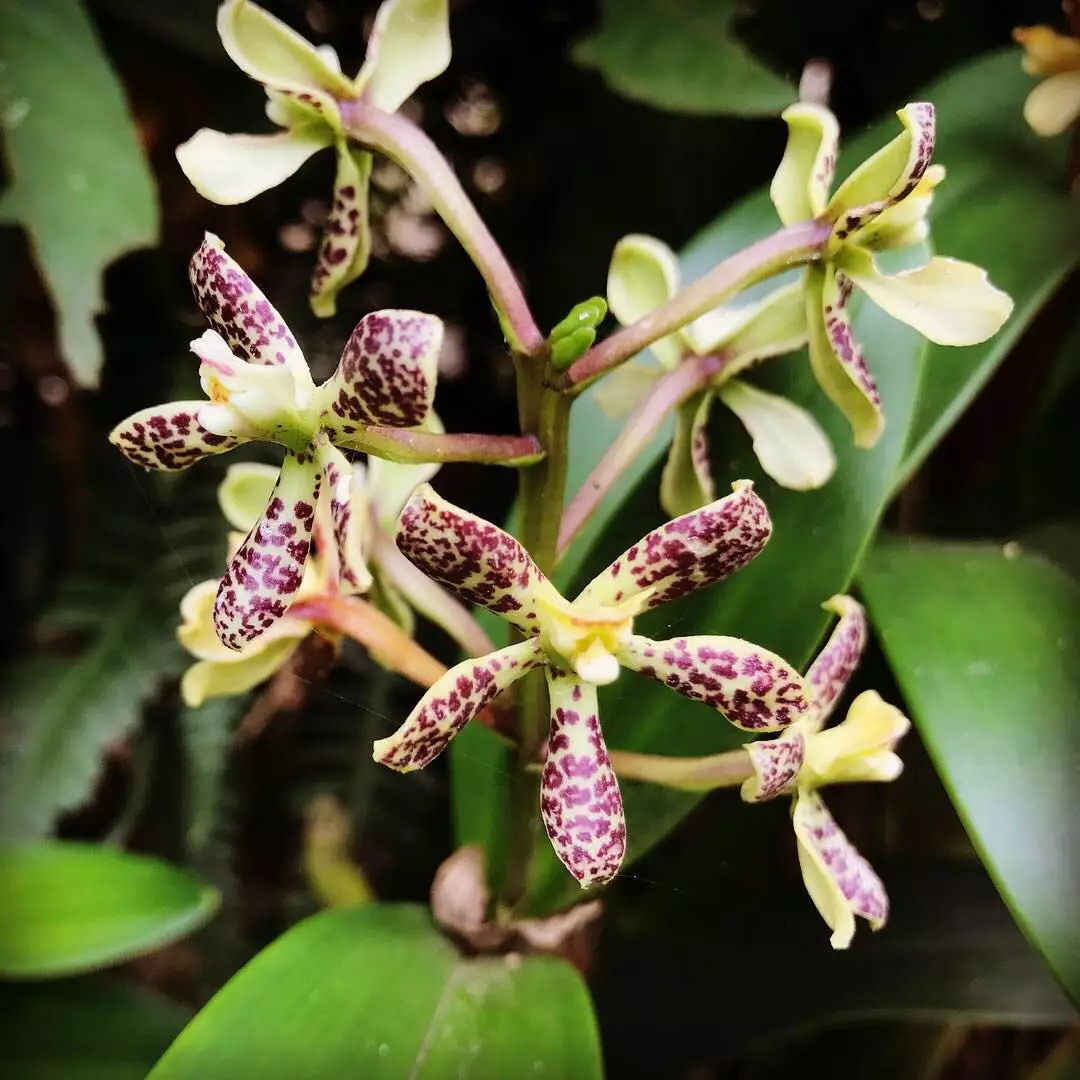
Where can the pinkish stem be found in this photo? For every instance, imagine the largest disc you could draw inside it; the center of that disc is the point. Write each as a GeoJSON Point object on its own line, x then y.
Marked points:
{"type": "Point", "coordinates": [409, 445]}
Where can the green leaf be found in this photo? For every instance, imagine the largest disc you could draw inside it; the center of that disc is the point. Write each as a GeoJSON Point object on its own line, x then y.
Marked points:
{"type": "Point", "coordinates": [80, 184]}
{"type": "Point", "coordinates": [67, 908]}
{"type": "Point", "coordinates": [682, 55]}
{"type": "Point", "coordinates": [984, 644]}
{"type": "Point", "coordinates": [95, 1028]}
{"type": "Point", "coordinates": [379, 992]}
{"type": "Point", "coordinates": [995, 182]}
{"type": "Point", "coordinates": [207, 733]}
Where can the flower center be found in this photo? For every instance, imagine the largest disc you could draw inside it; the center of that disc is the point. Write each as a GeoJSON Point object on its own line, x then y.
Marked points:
{"type": "Point", "coordinates": [588, 638]}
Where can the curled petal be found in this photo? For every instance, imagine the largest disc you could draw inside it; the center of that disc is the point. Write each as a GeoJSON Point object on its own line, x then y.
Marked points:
{"type": "Point", "coordinates": [859, 749]}
{"type": "Point", "coordinates": [687, 481]}
{"type": "Point", "coordinates": [888, 176]}
{"type": "Point", "coordinates": [471, 557]}
{"type": "Point", "coordinates": [773, 326]}
{"type": "Point", "coordinates": [904, 223]}
{"type": "Point", "coordinates": [801, 184]}
{"type": "Point", "coordinates": [230, 169]}
{"type": "Point", "coordinates": [168, 437]}
{"type": "Point", "coordinates": [755, 689]}
{"type": "Point", "coordinates": [244, 492]}
{"type": "Point", "coordinates": [947, 301]}
{"type": "Point", "coordinates": [776, 764]}
{"type": "Point", "coordinates": [386, 374]}
{"type": "Point", "coordinates": [836, 663]}
{"type": "Point", "coordinates": [265, 573]}
{"type": "Point", "coordinates": [235, 306]}
{"type": "Point", "coordinates": [836, 358]}
{"type": "Point", "coordinates": [644, 274]}
{"type": "Point", "coordinates": [840, 881]}
{"type": "Point", "coordinates": [208, 679]}
{"type": "Point", "coordinates": [788, 441]}
{"type": "Point", "coordinates": [346, 241]}
{"type": "Point", "coordinates": [1046, 52]}
{"type": "Point", "coordinates": [409, 46]}
{"type": "Point", "coordinates": [351, 517]}
{"type": "Point", "coordinates": [1054, 105]}
{"type": "Point", "coordinates": [579, 795]}
{"type": "Point", "coordinates": [451, 702]}
{"type": "Point", "coordinates": [686, 554]}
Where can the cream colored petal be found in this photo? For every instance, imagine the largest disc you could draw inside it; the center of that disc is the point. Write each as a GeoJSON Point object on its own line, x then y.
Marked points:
{"type": "Point", "coordinates": [801, 184]}
{"type": "Point", "coordinates": [860, 748]}
{"type": "Point", "coordinates": [619, 393]}
{"type": "Point", "coordinates": [1046, 52]}
{"type": "Point", "coordinates": [687, 481]}
{"type": "Point", "coordinates": [644, 274]}
{"type": "Point", "coordinates": [245, 491]}
{"type": "Point", "coordinates": [1054, 104]}
{"type": "Point", "coordinates": [210, 679]}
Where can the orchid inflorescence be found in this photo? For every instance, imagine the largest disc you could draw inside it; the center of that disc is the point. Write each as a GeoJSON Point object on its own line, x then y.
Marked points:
{"type": "Point", "coordinates": [327, 534]}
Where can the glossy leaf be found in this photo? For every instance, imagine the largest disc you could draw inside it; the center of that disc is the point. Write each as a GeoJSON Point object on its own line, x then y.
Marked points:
{"type": "Point", "coordinates": [79, 182]}
{"type": "Point", "coordinates": [379, 992]}
{"type": "Point", "coordinates": [682, 56]}
{"type": "Point", "coordinates": [66, 908]}
{"type": "Point", "coordinates": [984, 644]}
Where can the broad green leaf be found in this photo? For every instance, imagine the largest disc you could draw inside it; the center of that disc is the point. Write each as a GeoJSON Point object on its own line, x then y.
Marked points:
{"type": "Point", "coordinates": [67, 908]}
{"type": "Point", "coordinates": [682, 55]}
{"type": "Point", "coordinates": [1001, 184]}
{"type": "Point", "coordinates": [94, 1028]}
{"type": "Point", "coordinates": [379, 992]}
{"type": "Point", "coordinates": [79, 182]}
{"type": "Point", "coordinates": [985, 643]}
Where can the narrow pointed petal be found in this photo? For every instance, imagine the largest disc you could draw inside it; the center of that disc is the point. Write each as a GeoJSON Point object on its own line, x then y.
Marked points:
{"type": "Point", "coordinates": [451, 702]}
{"type": "Point", "coordinates": [351, 517]}
{"type": "Point", "coordinates": [836, 358]}
{"type": "Point", "coordinates": [840, 881]}
{"type": "Point", "coordinates": [409, 46]}
{"type": "Point", "coordinates": [687, 481]}
{"type": "Point", "coordinates": [386, 374]}
{"type": "Point", "coordinates": [579, 795]}
{"type": "Point", "coordinates": [861, 748]}
{"type": "Point", "coordinates": [644, 274]}
{"type": "Point", "coordinates": [776, 764]}
{"type": "Point", "coordinates": [237, 309]}
{"type": "Point", "coordinates": [168, 437]}
{"type": "Point", "coordinates": [473, 558]}
{"type": "Point", "coordinates": [1054, 105]}
{"type": "Point", "coordinates": [245, 491]}
{"type": "Point", "coordinates": [756, 690]}
{"type": "Point", "coordinates": [788, 441]}
{"type": "Point", "coordinates": [773, 326]}
{"type": "Point", "coordinates": [833, 667]}
{"type": "Point", "coordinates": [1046, 52]}
{"type": "Point", "coordinates": [887, 176]}
{"type": "Point", "coordinates": [208, 679]}
{"type": "Point", "coordinates": [230, 169]}
{"type": "Point", "coordinates": [904, 223]}
{"type": "Point", "coordinates": [687, 554]}
{"type": "Point", "coordinates": [264, 575]}
{"type": "Point", "coordinates": [948, 301]}
{"type": "Point", "coordinates": [346, 241]}
{"type": "Point", "coordinates": [801, 184]}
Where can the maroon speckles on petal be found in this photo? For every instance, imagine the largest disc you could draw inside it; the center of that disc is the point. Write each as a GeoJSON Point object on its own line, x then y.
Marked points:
{"type": "Point", "coordinates": [472, 557]}
{"type": "Point", "coordinates": [832, 669]}
{"type": "Point", "coordinates": [755, 689]}
{"type": "Point", "coordinates": [837, 292]}
{"type": "Point", "coordinates": [694, 550]}
{"type": "Point", "coordinates": [387, 371]}
{"type": "Point", "coordinates": [580, 802]}
{"type": "Point", "coordinates": [346, 241]}
{"type": "Point", "coordinates": [451, 703]}
{"type": "Point", "coordinates": [168, 437]}
{"type": "Point", "coordinates": [776, 765]}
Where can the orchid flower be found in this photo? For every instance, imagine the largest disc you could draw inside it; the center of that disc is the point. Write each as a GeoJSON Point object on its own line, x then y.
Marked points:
{"type": "Point", "coordinates": [409, 45]}
{"type": "Point", "coordinates": [260, 388]}
{"type": "Point", "coordinates": [1054, 104]}
{"type": "Point", "coordinates": [882, 204]}
{"type": "Point", "coordinates": [582, 644]}
{"type": "Point", "coordinates": [790, 445]}
{"type": "Point", "coordinates": [804, 758]}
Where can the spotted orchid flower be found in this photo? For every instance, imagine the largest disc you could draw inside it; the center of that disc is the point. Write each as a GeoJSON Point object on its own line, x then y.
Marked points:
{"type": "Point", "coordinates": [409, 45]}
{"type": "Point", "coordinates": [1054, 104]}
{"type": "Point", "coordinates": [788, 442]}
{"type": "Point", "coordinates": [805, 757]}
{"type": "Point", "coordinates": [259, 388]}
{"type": "Point", "coordinates": [582, 644]}
{"type": "Point", "coordinates": [881, 205]}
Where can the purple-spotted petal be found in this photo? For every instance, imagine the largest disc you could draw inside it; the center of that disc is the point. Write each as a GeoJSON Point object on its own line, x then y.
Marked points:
{"type": "Point", "coordinates": [265, 573]}
{"type": "Point", "coordinates": [579, 795]}
{"type": "Point", "coordinates": [346, 241]}
{"type": "Point", "coordinates": [168, 437]}
{"type": "Point", "coordinates": [840, 881]}
{"type": "Point", "coordinates": [755, 689]}
{"type": "Point", "coordinates": [687, 481]}
{"type": "Point", "coordinates": [350, 515]}
{"type": "Point", "coordinates": [471, 557]}
{"type": "Point", "coordinates": [688, 553]}
{"type": "Point", "coordinates": [235, 306]}
{"type": "Point", "coordinates": [776, 764]}
{"type": "Point", "coordinates": [451, 703]}
{"type": "Point", "coordinates": [387, 373]}
{"type": "Point", "coordinates": [836, 663]}
{"type": "Point", "coordinates": [835, 356]}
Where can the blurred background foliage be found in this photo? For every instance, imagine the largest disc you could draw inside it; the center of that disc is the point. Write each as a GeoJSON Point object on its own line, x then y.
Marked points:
{"type": "Point", "coordinates": [572, 124]}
